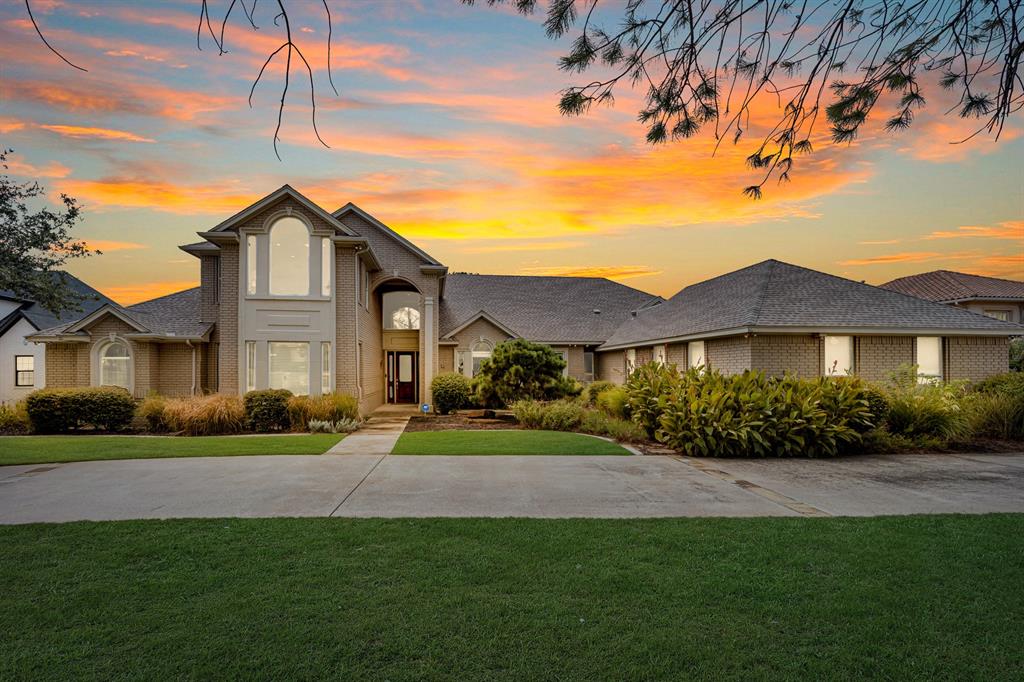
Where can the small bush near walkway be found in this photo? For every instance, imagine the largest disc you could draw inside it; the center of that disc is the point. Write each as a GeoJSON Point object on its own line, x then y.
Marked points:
{"type": "Point", "coordinates": [329, 407]}
{"type": "Point", "coordinates": [451, 391]}
{"type": "Point", "coordinates": [613, 402]}
{"type": "Point", "coordinates": [574, 415]}
{"type": "Point", "coordinates": [57, 410]}
{"type": "Point", "coordinates": [594, 389]}
{"type": "Point", "coordinates": [267, 410]}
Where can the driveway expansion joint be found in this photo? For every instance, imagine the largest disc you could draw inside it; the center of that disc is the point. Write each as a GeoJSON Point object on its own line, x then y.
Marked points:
{"type": "Point", "coordinates": [797, 506]}
{"type": "Point", "coordinates": [345, 499]}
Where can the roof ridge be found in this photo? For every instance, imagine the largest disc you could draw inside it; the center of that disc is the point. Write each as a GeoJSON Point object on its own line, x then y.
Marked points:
{"type": "Point", "coordinates": [764, 291]}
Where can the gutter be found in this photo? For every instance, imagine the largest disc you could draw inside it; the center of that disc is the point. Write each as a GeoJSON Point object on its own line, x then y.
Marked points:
{"type": "Point", "coordinates": [189, 343]}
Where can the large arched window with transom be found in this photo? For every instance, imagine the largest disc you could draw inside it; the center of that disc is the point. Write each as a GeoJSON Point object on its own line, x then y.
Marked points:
{"type": "Point", "coordinates": [289, 258]}
{"type": "Point", "coordinates": [115, 364]}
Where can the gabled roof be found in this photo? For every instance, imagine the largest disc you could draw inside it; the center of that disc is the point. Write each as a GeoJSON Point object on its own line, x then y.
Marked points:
{"type": "Point", "coordinates": [351, 208]}
{"type": "Point", "coordinates": [172, 316]}
{"type": "Point", "coordinates": [40, 318]}
{"type": "Point", "coordinates": [283, 191]}
{"type": "Point", "coordinates": [549, 309]}
{"type": "Point", "coordinates": [777, 296]}
{"type": "Point", "coordinates": [948, 286]}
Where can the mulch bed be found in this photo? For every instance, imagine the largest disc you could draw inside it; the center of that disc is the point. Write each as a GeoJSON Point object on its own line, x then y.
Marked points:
{"type": "Point", "coordinates": [467, 420]}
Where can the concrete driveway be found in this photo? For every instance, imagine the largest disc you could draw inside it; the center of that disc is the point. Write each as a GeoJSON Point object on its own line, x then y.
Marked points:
{"type": "Point", "coordinates": [376, 485]}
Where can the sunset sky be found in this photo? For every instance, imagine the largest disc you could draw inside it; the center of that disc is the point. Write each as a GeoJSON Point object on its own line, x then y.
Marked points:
{"type": "Point", "coordinates": [446, 128]}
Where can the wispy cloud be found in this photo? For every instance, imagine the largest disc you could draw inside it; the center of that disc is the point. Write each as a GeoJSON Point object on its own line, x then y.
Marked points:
{"type": "Point", "coordinates": [510, 246]}
{"type": "Point", "coordinates": [904, 257]}
{"type": "Point", "coordinates": [615, 272]}
{"type": "Point", "coordinates": [880, 242]}
{"type": "Point", "coordinates": [1010, 229]}
{"type": "Point", "coordinates": [135, 293]}
{"type": "Point", "coordinates": [106, 246]}
{"type": "Point", "coordinates": [95, 133]}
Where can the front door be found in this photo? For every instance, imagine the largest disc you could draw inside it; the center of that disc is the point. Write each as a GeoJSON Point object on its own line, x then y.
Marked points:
{"type": "Point", "coordinates": [402, 377]}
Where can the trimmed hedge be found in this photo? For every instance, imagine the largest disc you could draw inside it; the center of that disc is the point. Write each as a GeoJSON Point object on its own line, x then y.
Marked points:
{"type": "Point", "coordinates": [57, 410]}
{"type": "Point", "coordinates": [267, 410]}
{"type": "Point", "coordinates": [451, 391]}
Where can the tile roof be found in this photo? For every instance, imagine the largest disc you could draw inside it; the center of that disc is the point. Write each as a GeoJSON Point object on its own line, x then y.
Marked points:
{"type": "Point", "coordinates": [773, 294]}
{"type": "Point", "coordinates": [41, 318]}
{"type": "Point", "coordinates": [553, 309]}
{"type": "Point", "coordinates": [948, 286]}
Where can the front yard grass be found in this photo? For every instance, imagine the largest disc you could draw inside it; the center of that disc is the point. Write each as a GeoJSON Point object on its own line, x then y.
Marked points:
{"type": "Point", "coordinates": [511, 442]}
{"type": "Point", "coordinates": [925, 597]}
{"type": "Point", "coordinates": [41, 449]}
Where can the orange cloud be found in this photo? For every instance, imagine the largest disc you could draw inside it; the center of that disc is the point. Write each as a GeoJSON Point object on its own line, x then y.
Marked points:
{"type": "Point", "coordinates": [880, 242]}
{"type": "Point", "coordinates": [106, 246]}
{"type": "Point", "coordinates": [615, 272]}
{"type": "Point", "coordinates": [159, 195]}
{"type": "Point", "coordinates": [136, 293]}
{"type": "Point", "coordinates": [16, 166]}
{"type": "Point", "coordinates": [905, 257]}
{"type": "Point", "coordinates": [9, 125]}
{"type": "Point", "coordinates": [1010, 229]}
{"type": "Point", "coordinates": [99, 133]}
{"type": "Point", "coordinates": [528, 246]}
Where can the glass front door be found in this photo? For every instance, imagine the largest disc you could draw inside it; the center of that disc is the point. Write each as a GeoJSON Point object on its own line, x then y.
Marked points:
{"type": "Point", "coordinates": [403, 384]}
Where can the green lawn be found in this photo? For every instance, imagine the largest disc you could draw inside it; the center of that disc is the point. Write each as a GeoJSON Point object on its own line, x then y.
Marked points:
{"type": "Point", "coordinates": [843, 598]}
{"type": "Point", "coordinates": [503, 443]}
{"type": "Point", "coordinates": [39, 449]}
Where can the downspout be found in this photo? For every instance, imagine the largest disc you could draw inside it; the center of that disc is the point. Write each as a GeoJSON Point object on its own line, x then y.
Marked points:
{"type": "Point", "coordinates": [189, 343]}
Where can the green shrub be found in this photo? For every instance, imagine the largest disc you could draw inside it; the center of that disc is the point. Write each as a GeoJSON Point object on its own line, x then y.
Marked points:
{"type": "Point", "coordinates": [995, 415]}
{"type": "Point", "coordinates": [329, 407]}
{"type": "Point", "coordinates": [13, 418]}
{"type": "Point", "coordinates": [151, 412]}
{"type": "Point", "coordinates": [205, 415]}
{"type": "Point", "coordinates": [267, 410]}
{"type": "Point", "coordinates": [596, 388]}
{"type": "Point", "coordinates": [750, 414]}
{"type": "Point", "coordinates": [55, 410]}
{"type": "Point", "coordinates": [1010, 382]}
{"type": "Point", "coordinates": [613, 402]}
{"type": "Point", "coordinates": [1017, 355]}
{"type": "Point", "coordinates": [528, 413]}
{"type": "Point", "coordinates": [647, 388]}
{"type": "Point", "coordinates": [451, 392]}
{"type": "Point", "coordinates": [932, 410]}
{"type": "Point", "coordinates": [520, 370]}
{"type": "Point", "coordinates": [562, 415]}
{"type": "Point", "coordinates": [600, 424]}
{"type": "Point", "coordinates": [849, 400]}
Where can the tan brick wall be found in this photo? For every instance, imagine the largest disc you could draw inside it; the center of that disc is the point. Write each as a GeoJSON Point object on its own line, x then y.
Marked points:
{"type": "Point", "coordinates": [730, 355]}
{"type": "Point", "coordinates": [675, 354]}
{"type": "Point", "coordinates": [781, 354]}
{"type": "Point", "coordinates": [644, 355]}
{"type": "Point", "coordinates": [973, 357]}
{"type": "Point", "coordinates": [227, 320]}
{"type": "Point", "coordinates": [62, 365]}
{"type": "Point", "coordinates": [175, 368]}
{"type": "Point", "coordinates": [480, 329]}
{"type": "Point", "coordinates": [611, 366]}
{"type": "Point", "coordinates": [372, 336]}
{"type": "Point", "coordinates": [346, 373]}
{"type": "Point", "coordinates": [208, 304]}
{"type": "Point", "coordinates": [446, 359]}
{"type": "Point", "coordinates": [876, 356]}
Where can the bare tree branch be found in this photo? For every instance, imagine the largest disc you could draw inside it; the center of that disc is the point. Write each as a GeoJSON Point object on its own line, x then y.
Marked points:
{"type": "Point", "coordinates": [28, 8]}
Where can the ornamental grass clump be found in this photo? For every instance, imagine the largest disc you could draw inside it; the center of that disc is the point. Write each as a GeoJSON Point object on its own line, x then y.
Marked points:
{"type": "Point", "coordinates": [329, 407]}
{"type": "Point", "coordinates": [210, 415]}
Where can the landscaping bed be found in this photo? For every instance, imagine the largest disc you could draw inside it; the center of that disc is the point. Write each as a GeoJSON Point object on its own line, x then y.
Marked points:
{"type": "Point", "coordinates": [464, 420]}
{"type": "Point", "coordinates": [923, 597]}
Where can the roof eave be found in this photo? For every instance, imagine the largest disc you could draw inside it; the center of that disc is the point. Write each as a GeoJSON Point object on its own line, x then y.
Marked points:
{"type": "Point", "coordinates": [351, 207]}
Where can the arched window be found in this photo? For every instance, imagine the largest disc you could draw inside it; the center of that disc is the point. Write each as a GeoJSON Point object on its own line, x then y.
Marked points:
{"type": "Point", "coordinates": [480, 351]}
{"type": "Point", "coordinates": [115, 365]}
{"type": "Point", "coordinates": [401, 310]}
{"type": "Point", "coordinates": [289, 258]}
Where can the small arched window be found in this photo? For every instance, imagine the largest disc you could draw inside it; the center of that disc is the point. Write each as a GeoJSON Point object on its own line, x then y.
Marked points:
{"type": "Point", "coordinates": [289, 258]}
{"type": "Point", "coordinates": [401, 310]}
{"type": "Point", "coordinates": [480, 351]}
{"type": "Point", "coordinates": [115, 365]}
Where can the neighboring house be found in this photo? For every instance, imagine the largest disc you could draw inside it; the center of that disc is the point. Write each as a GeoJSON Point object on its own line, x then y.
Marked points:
{"type": "Point", "coordinates": [1002, 299]}
{"type": "Point", "coordinates": [22, 362]}
{"type": "Point", "coordinates": [782, 318]}
{"type": "Point", "coordinates": [292, 296]}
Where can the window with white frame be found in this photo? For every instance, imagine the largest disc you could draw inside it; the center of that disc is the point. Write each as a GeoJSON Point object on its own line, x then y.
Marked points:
{"type": "Point", "coordinates": [250, 366]}
{"type": "Point", "coordinates": [24, 370]}
{"type": "Point", "coordinates": [588, 366]}
{"type": "Point", "coordinates": [1003, 315]}
{"type": "Point", "coordinates": [480, 351]}
{"type": "Point", "coordinates": [838, 355]}
{"type": "Point", "coordinates": [115, 364]}
{"type": "Point", "coordinates": [289, 366]}
{"type": "Point", "coordinates": [401, 310]}
{"type": "Point", "coordinates": [661, 354]}
{"type": "Point", "coordinates": [929, 358]}
{"type": "Point", "coordinates": [630, 360]}
{"type": "Point", "coordinates": [326, 263]}
{"type": "Point", "coordinates": [695, 354]}
{"type": "Point", "coordinates": [250, 264]}
{"type": "Point", "coordinates": [325, 366]}
{"type": "Point", "coordinates": [289, 258]}
{"type": "Point", "coordinates": [564, 354]}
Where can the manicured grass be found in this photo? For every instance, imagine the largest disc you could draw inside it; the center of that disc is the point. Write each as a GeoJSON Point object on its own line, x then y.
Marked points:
{"type": "Point", "coordinates": [503, 443]}
{"type": "Point", "coordinates": [844, 598]}
{"type": "Point", "coordinates": [38, 449]}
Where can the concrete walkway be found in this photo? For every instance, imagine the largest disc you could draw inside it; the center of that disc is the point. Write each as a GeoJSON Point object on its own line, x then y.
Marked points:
{"type": "Point", "coordinates": [378, 434]}
{"type": "Point", "coordinates": [609, 487]}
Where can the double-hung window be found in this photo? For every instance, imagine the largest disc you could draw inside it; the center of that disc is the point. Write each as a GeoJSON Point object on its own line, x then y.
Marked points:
{"type": "Point", "coordinates": [24, 370]}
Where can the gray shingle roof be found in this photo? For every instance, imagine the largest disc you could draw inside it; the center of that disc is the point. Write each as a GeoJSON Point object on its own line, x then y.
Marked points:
{"type": "Point", "coordinates": [42, 318]}
{"type": "Point", "coordinates": [175, 314]}
{"type": "Point", "coordinates": [773, 294]}
{"type": "Point", "coordinates": [946, 285]}
{"type": "Point", "coordinates": [554, 309]}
